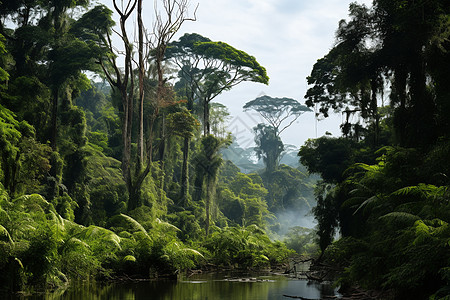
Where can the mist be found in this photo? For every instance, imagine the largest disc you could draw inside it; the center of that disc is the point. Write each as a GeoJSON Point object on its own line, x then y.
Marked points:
{"type": "Point", "coordinates": [291, 218]}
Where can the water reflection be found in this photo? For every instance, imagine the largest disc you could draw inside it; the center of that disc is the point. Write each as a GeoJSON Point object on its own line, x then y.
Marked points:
{"type": "Point", "coordinates": [198, 287]}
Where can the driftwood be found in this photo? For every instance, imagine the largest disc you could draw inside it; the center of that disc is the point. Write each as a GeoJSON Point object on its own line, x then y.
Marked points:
{"type": "Point", "coordinates": [318, 278]}
{"type": "Point", "coordinates": [356, 296]}
{"type": "Point", "coordinates": [298, 297]}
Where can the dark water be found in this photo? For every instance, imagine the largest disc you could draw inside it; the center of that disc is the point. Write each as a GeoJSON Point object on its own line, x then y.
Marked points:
{"type": "Point", "coordinates": [199, 287]}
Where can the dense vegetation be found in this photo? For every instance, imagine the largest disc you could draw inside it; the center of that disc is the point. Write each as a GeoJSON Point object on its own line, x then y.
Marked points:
{"type": "Point", "coordinates": [385, 184]}
{"type": "Point", "coordinates": [114, 177]}
{"type": "Point", "coordinates": [109, 175]}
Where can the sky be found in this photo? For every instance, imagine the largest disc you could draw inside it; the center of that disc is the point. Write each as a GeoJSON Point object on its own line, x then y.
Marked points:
{"type": "Point", "coordinates": [287, 37]}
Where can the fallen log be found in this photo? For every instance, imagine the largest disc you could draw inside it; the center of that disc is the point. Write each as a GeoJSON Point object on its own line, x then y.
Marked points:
{"type": "Point", "coordinates": [299, 297]}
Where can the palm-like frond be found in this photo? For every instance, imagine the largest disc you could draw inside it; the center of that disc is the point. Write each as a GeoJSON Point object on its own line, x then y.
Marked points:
{"type": "Point", "coordinates": [422, 189]}
{"type": "Point", "coordinates": [400, 218]}
{"type": "Point", "coordinates": [193, 252]}
{"type": "Point", "coordinates": [368, 203]}
{"type": "Point", "coordinates": [166, 225]}
{"type": "Point", "coordinates": [136, 225]}
{"type": "Point", "coordinates": [100, 234]}
{"type": "Point", "coordinates": [73, 243]}
{"type": "Point", "coordinates": [4, 235]}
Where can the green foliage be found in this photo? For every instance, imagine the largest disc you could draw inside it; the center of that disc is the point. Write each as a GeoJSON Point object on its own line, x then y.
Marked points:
{"type": "Point", "coordinates": [63, 192]}
{"type": "Point", "coordinates": [329, 157]}
{"type": "Point", "coordinates": [288, 189]}
{"type": "Point", "coordinates": [155, 246]}
{"type": "Point", "coordinates": [208, 68]}
{"type": "Point", "coordinates": [93, 24]}
{"type": "Point", "coordinates": [242, 201]}
{"type": "Point", "coordinates": [403, 228]}
{"type": "Point", "coordinates": [250, 69]}
{"type": "Point", "coordinates": [182, 123]}
{"type": "Point", "coordinates": [188, 224]}
{"type": "Point", "coordinates": [4, 76]}
{"type": "Point", "coordinates": [207, 164]}
{"type": "Point", "coordinates": [325, 214]}
{"type": "Point", "coordinates": [268, 145]}
{"type": "Point", "coordinates": [101, 191]}
{"type": "Point", "coordinates": [24, 161]}
{"type": "Point", "coordinates": [302, 240]}
{"type": "Point", "coordinates": [244, 247]}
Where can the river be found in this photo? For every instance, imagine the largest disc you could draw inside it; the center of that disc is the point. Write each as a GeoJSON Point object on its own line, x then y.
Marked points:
{"type": "Point", "coordinates": [197, 287]}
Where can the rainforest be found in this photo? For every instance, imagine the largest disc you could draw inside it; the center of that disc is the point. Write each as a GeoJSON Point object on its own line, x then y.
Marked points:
{"type": "Point", "coordinates": [117, 164]}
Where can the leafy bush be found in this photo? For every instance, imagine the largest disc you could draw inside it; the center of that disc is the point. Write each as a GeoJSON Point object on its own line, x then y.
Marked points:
{"type": "Point", "coordinates": [302, 240]}
{"type": "Point", "coordinates": [244, 247]}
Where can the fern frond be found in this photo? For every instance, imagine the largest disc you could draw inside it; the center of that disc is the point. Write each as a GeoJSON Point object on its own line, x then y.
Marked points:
{"type": "Point", "coordinates": [167, 225]}
{"type": "Point", "coordinates": [192, 251]}
{"type": "Point", "coordinates": [403, 218]}
{"type": "Point", "coordinates": [136, 225]}
{"type": "Point", "coordinates": [73, 242]}
{"type": "Point", "coordinates": [93, 233]}
{"type": "Point", "coordinates": [367, 203]}
{"type": "Point", "coordinates": [4, 235]}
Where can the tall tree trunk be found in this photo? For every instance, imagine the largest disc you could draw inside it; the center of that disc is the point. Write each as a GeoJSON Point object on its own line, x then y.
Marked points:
{"type": "Point", "coordinates": [186, 148]}
{"type": "Point", "coordinates": [400, 118]}
{"type": "Point", "coordinates": [185, 173]}
{"type": "Point", "coordinates": [141, 87]}
{"type": "Point", "coordinates": [208, 203]}
{"type": "Point", "coordinates": [162, 155]}
{"type": "Point", "coordinates": [126, 139]}
{"type": "Point", "coordinates": [423, 124]}
{"type": "Point", "coordinates": [54, 121]}
{"type": "Point", "coordinates": [206, 124]}
{"type": "Point", "coordinates": [374, 109]}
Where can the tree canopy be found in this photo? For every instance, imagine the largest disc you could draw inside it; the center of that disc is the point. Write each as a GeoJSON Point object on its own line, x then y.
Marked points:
{"type": "Point", "coordinates": [277, 110]}
{"type": "Point", "coordinates": [209, 68]}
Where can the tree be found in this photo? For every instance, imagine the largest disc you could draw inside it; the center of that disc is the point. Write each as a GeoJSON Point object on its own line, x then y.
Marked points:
{"type": "Point", "coordinates": [46, 52]}
{"type": "Point", "coordinates": [24, 162]}
{"type": "Point", "coordinates": [377, 47]}
{"type": "Point", "coordinates": [166, 25]}
{"type": "Point", "coordinates": [267, 137]}
{"type": "Point", "coordinates": [207, 69]}
{"type": "Point", "coordinates": [213, 67]}
{"type": "Point", "coordinates": [268, 146]}
{"type": "Point", "coordinates": [329, 157]}
{"type": "Point", "coordinates": [219, 117]}
{"type": "Point", "coordinates": [242, 199]}
{"type": "Point", "coordinates": [277, 110]}
{"type": "Point", "coordinates": [207, 164]}
{"type": "Point", "coordinates": [326, 213]}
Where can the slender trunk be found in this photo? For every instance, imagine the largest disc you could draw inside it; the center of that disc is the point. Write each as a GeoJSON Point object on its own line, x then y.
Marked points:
{"type": "Point", "coordinates": [423, 124]}
{"type": "Point", "coordinates": [135, 187]}
{"type": "Point", "coordinates": [206, 125]}
{"type": "Point", "coordinates": [185, 173]}
{"type": "Point", "coordinates": [207, 205]}
{"type": "Point", "coordinates": [186, 148]}
{"type": "Point", "coordinates": [141, 87]}
{"type": "Point", "coordinates": [133, 193]}
{"type": "Point", "coordinates": [54, 130]}
{"type": "Point", "coordinates": [126, 142]}
{"type": "Point", "coordinates": [400, 120]}
{"type": "Point", "coordinates": [162, 155]}
{"type": "Point", "coordinates": [374, 109]}
{"type": "Point", "coordinates": [198, 186]}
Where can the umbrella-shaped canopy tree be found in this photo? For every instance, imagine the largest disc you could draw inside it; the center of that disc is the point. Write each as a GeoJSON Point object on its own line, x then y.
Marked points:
{"type": "Point", "coordinates": [213, 67]}
{"type": "Point", "coordinates": [277, 110]}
